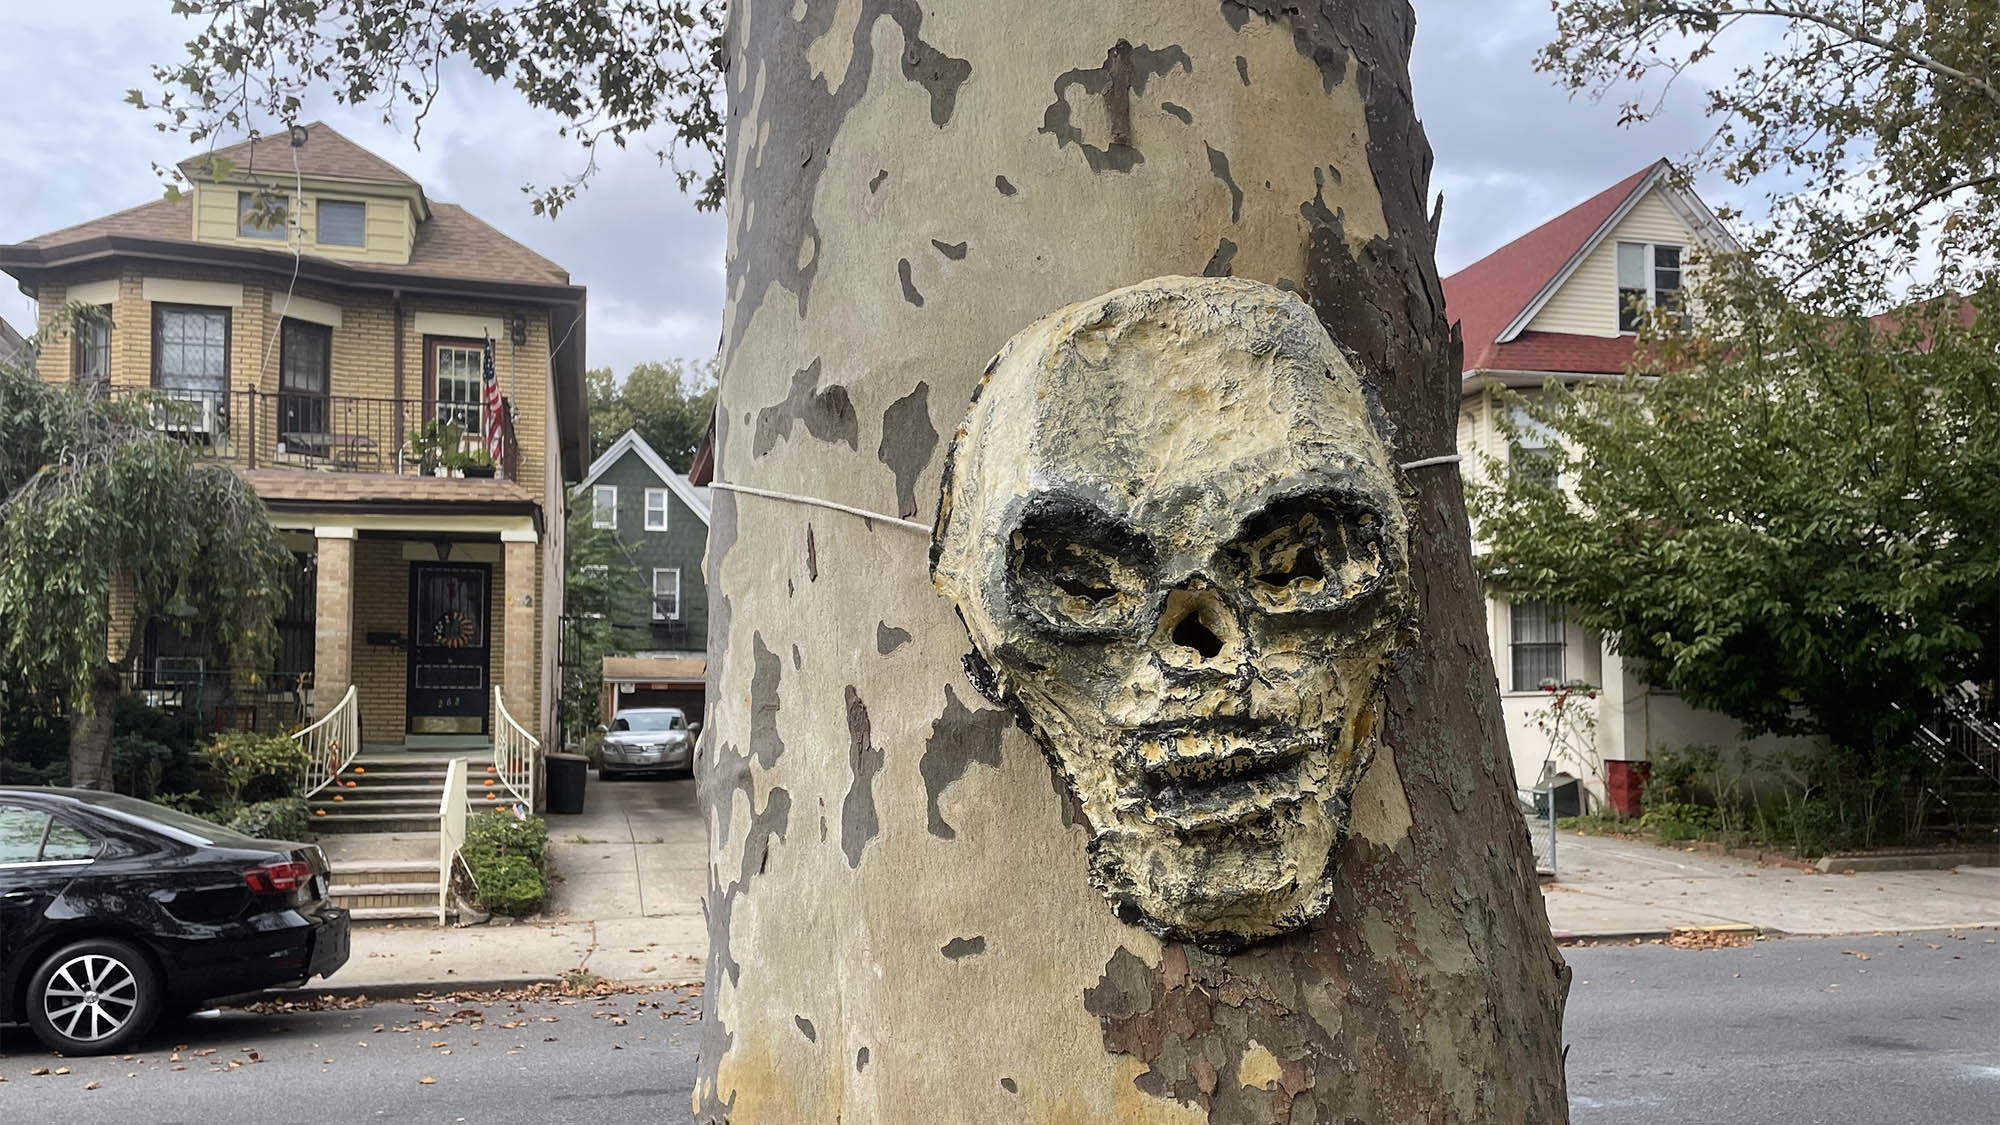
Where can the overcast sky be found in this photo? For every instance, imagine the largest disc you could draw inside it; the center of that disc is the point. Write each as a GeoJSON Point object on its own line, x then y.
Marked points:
{"type": "Point", "coordinates": [1512, 150]}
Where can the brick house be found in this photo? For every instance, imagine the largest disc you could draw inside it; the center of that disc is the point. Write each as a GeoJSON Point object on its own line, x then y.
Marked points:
{"type": "Point", "coordinates": [320, 324]}
{"type": "Point", "coordinates": [1562, 302]}
{"type": "Point", "coordinates": [661, 519]}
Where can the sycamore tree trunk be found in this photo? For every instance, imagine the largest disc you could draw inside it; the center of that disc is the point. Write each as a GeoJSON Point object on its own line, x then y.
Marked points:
{"type": "Point", "coordinates": [902, 925]}
{"type": "Point", "coordinates": [90, 733]}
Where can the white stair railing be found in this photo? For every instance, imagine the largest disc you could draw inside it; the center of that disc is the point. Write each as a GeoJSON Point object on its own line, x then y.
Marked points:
{"type": "Point", "coordinates": [452, 814]}
{"type": "Point", "coordinates": [331, 743]}
{"type": "Point", "coordinates": [516, 754]}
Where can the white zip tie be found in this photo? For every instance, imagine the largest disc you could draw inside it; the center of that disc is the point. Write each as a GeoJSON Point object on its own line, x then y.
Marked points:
{"type": "Point", "coordinates": [1447, 459]}
{"type": "Point", "coordinates": [818, 503]}
{"type": "Point", "coordinates": [924, 528]}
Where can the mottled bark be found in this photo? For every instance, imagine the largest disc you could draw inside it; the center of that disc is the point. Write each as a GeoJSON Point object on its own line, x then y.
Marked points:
{"type": "Point", "coordinates": [901, 918]}
{"type": "Point", "coordinates": [90, 732]}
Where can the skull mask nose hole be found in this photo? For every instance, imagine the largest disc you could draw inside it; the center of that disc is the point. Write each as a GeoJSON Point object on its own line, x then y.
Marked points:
{"type": "Point", "coordinates": [1191, 633]}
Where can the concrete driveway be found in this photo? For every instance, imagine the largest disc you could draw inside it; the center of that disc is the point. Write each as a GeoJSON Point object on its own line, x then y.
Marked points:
{"type": "Point", "coordinates": [634, 862]}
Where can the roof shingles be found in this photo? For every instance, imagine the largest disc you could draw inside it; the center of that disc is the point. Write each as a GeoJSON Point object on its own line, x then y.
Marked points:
{"type": "Point", "coordinates": [1487, 295]}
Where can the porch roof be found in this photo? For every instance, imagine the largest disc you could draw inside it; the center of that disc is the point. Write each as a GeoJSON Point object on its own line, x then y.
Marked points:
{"type": "Point", "coordinates": [294, 489]}
{"type": "Point", "coordinates": [654, 669]}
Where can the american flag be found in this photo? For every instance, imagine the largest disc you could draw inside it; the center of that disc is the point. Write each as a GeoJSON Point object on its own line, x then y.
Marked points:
{"type": "Point", "coordinates": [494, 406]}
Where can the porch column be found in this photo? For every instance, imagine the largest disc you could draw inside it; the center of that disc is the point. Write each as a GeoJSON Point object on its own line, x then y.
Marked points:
{"type": "Point", "coordinates": [333, 617]}
{"type": "Point", "coordinates": [517, 625]}
{"type": "Point", "coordinates": [1622, 741]}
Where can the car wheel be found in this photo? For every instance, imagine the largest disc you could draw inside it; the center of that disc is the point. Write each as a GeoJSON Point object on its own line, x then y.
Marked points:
{"type": "Point", "coordinates": [93, 997]}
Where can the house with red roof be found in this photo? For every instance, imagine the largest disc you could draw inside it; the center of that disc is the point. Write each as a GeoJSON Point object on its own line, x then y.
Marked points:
{"type": "Point", "coordinates": [1563, 303]}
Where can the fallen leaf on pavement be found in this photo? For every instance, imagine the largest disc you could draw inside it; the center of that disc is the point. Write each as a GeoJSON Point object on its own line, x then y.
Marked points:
{"type": "Point", "coordinates": [90, 1085]}
{"type": "Point", "coordinates": [1855, 953]}
{"type": "Point", "coordinates": [38, 1072]}
{"type": "Point", "coordinates": [427, 1080]}
{"type": "Point", "coordinates": [62, 1070]}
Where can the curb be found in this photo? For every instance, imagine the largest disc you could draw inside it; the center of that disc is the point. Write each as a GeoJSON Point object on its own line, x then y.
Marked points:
{"type": "Point", "coordinates": [1566, 937]}
{"type": "Point", "coordinates": [1916, 861]}
{"type": "Point", "coordinates": [399, 990]}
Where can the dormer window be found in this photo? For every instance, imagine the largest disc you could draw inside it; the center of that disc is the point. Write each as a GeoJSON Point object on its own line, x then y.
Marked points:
{"type": "Point", "coordinates": [260, 215]}
{"type": "Point", "coordinates": [342, 222]}
{"type": "Point", "coordinates": [1649, 277]}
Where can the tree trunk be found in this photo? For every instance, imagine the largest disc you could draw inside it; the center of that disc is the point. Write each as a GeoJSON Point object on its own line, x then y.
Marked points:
{"type": "Point", "coordinates": [902, 923]}
{"type": "Point", "coordinates": [90, 734]}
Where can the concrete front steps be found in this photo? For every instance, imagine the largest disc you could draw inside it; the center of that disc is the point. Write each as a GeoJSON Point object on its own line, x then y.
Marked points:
{"type": "Point", "coordinates": [388, 890]}
{"type": "Point", "coordinates": [391, 789]}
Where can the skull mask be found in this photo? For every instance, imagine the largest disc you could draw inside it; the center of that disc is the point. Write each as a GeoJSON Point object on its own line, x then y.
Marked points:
{"type": "Point", "coordinates": [1172, 529]}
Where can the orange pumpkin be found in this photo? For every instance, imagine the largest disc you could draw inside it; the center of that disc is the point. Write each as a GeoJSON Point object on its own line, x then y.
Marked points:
{"type": "Point", "coordinates": [337, 797]}
{"type": "Point", "coordinates": [360, 769]}
{"type": "Point", "coordinates": [319, 812]}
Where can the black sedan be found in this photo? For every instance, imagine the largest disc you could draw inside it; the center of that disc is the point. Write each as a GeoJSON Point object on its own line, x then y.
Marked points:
{"type": "Point", "coordinates": [116, 911]}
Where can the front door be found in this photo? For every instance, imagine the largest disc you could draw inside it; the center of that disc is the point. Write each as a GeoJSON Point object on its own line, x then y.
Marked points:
{"type": "Point", "coordinates": [450, 647]}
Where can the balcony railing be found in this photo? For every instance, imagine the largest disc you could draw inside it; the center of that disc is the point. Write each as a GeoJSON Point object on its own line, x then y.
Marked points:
{"type": "Point", "coordinates": [256, 429]}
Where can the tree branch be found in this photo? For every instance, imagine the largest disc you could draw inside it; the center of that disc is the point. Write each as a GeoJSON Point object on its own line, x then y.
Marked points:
{"type": "Point", "coordinates": [1919, 58]}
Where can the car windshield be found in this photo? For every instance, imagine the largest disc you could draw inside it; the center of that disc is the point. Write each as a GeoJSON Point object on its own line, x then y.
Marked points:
{"type": "Point", "coordinates": [648, 721]}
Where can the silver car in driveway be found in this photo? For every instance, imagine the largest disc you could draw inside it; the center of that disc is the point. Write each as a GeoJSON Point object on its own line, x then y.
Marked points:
{"type": "Point", "coordinates": [648, 740]}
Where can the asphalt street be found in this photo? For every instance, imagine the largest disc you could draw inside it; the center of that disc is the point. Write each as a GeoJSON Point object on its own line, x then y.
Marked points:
{"type": "Point", "coordinates": [1804, 1031]}
{"type": "Point", "coordinates": [628, 1057]}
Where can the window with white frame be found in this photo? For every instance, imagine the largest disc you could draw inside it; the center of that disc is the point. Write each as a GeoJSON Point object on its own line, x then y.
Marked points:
{"type": "Point", "coordinates": [667, 593]}
{"type": "Point", "coordinates": [343, 222]}
{"type": "Point", "coordinates": [604, 506]}
{"type": "Point", "coordinates": [656, 509]}
{"type": "Point", "coordinates": [1535, 641]}
{"type": "Point", "coordinates": [1649, 277]}
{"type": "Point", "coordinates": [260, 215]}
{"type": "Point", "coordinates": [1533, 452]}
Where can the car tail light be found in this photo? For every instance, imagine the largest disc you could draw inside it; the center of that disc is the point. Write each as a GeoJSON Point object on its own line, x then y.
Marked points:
{"type": "Point", "coordinates": [285, 875]}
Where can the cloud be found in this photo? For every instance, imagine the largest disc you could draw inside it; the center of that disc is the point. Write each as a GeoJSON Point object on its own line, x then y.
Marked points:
{"type": "Point", "coordinates": [1511, 151]}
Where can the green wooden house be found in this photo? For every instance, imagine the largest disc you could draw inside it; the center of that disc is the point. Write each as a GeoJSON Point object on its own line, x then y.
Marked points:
{"type": "Point", "coordinates": [663, 522]}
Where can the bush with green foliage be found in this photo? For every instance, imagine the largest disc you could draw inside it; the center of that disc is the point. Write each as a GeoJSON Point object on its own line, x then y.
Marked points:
{"type": "Point", "coordinates": [283, 819]}
{"type": "Point", "coordinates": [255, 767]}
{"type": "Point", "coordinates": [506, 856]}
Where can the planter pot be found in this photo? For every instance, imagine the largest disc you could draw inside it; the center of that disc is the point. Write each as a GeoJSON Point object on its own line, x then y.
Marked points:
{"type": "Point", "coordinates": [481, 471]}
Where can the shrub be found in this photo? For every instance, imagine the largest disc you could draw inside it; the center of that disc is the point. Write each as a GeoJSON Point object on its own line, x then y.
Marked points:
{"type": "Point", "coordinates": [506, 856]}
{"type": "Point", "coordinates": [1674, 821]}
{"type": "Point", "coordinates": [255, 767]}
{"type": "Point", "coordinates": [283, 819]}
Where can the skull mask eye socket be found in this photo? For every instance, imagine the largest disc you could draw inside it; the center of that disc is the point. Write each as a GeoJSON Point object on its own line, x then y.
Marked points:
{"type": "Point", "coordinates": [1312, 554]}
{"type": "Point", "coordinates": [1076, 570]}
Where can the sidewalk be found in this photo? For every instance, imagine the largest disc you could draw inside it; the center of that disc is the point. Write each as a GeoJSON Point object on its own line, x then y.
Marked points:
{"type": "Point", "coordinates": [1607, 887]}
{"type": "Point", "coordinates": [625, 904]}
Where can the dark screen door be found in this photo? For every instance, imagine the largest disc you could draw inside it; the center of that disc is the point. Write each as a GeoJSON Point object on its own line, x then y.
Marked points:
{"type": "Point", "coordinates": [450, 647]}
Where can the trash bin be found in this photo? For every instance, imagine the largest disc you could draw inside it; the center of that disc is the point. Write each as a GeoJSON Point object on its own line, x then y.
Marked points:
{"type": "Point", "coordinates": [566, 776]}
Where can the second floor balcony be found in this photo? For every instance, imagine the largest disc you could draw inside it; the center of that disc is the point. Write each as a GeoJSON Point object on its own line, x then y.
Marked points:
{"type": "Point", "coordinates": [253, 429]}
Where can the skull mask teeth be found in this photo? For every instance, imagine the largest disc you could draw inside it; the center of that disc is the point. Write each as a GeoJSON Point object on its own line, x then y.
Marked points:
{"type": "Point", "coordinates": [1171, 527]}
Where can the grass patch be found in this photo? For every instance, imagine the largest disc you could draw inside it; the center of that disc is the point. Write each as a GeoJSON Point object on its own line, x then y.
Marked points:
{"type": "Point", "coordinates": [508, 858]}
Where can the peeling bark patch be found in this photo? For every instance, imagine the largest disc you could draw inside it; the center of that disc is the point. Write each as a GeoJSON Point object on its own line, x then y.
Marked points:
{"type": "Point", "coordinates": [798, 659]}
{"type": "Point", "coordinates": [818, 105]}
{"type": "Point", "coordinates": [1222, 262]}
{"type": "Point", "coordinates": [1118, 92]}
{"type": "Point", "coordinates": [858, 823]}
{"type": "Point", "coordinates": [960, 947]}
{"type": "Point", "coordinates": [1004, 186]}
{"type": "Point", "coordinates": [953, 250]}
{"type": "Point", "coordinates": [828, 414]}
{"type": "Point", "coordinates": [1180, 111]}
{"type": "Point", "coordinates": [876, 182]}
{"type": "Point", "coordinates": [959, 737]}
{"type": "Point", "coordinates": [861, 1060]}
{"type": "Point", "coordinates": [1313, 33]}
{"type": "Point", "coordinates": [766, 745]}
{"type": "Point", "coordinates": [1218, 166]}
{"type": "Point", "coordinates": [1242, 64]}
{"type": "Point", "coordinates": [812, 556]}
{"type": "Point", "coordinates": [1143, 63]}
{"type": "Point", "coordinates": [805, 1027]}
{"type": "Point", "coordinates": [1008, 1085]}
{"type": "Point", "coordinates": [910, 293]}
{"type": "Point", "coordinates": [908, 442]}
{"type": "Point", "coordinates": [888, 638]}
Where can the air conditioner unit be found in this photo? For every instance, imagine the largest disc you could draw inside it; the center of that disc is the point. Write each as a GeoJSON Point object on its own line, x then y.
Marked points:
{"type": "Point", "coordinates": [192, 413]}
{"type": "Point", "coordinates": [177, 669]}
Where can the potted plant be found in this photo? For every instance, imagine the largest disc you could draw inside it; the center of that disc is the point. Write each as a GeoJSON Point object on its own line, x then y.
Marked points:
{"type": "Point", "coordinates": [473, 462]}
{"type": "Point", "coordinates": [434, 447]}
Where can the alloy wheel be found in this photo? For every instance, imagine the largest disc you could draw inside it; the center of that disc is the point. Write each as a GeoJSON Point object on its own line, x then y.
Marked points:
{"type": "Point", "coordinates": [91, 997]}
